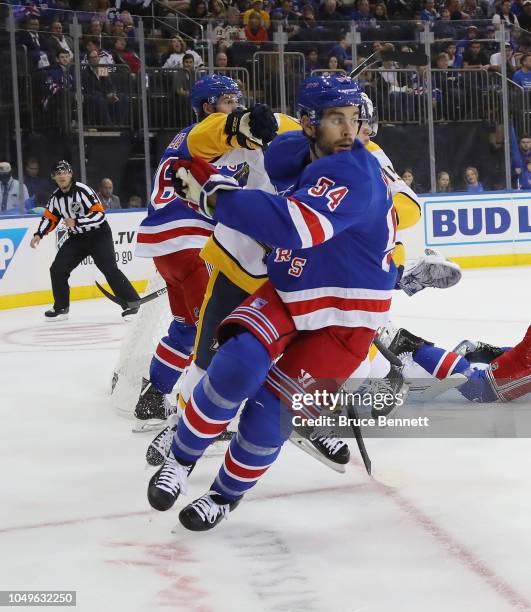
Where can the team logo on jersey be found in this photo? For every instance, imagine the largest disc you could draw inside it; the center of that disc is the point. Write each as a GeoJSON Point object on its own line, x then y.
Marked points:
{"type": "Point", "coordinates": [77, 207]}
{"type": "Point", "coordinates": [305, 379]}
{"type": "Point", "coordinates": [10, 240]}
{"type": "Point", "coordinates": [258, 303]}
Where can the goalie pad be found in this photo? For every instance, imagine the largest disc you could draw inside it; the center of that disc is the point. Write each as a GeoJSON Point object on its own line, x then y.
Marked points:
{"type": "Point", "coordinates": [431, 270]}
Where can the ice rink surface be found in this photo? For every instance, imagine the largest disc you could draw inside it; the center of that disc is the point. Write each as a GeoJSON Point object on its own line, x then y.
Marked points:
{"type": "Point", "coordinates": [452, 534]}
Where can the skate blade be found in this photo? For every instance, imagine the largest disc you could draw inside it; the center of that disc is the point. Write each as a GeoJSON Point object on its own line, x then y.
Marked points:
{"type": "Point", "coordinates": [63, 317]}
{"type": "Point", "coordinates": [455, 380]}
{"type": "Point", "coordinates": [148, 426]}
{"type": "Point", "coordinates": [309, 448]}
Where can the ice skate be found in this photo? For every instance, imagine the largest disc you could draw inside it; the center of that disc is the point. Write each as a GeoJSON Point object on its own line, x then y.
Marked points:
{"type": "Point", "coordinates": [206, 512]}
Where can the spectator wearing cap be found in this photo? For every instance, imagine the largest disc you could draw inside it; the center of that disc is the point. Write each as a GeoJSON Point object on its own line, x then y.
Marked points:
{"type": "Point", "coordinates": [429, 12]}
{"type": "Point", "coordinates": [523, 76]}
{"type": "Point", "coordinates": [255, 30]}
{"type": "Point", "coordinates": [463, 44]}
{"type": "Point", "coordinates": [496, 60]}
{"type": "Point", "coordinates": [10, 190]}
{"type": "Point", "coordinates": [525, 16]}
{"type": "Point", "coordinates": [506, 16]}
{"type": "Point", "coordinates": [257, 6]}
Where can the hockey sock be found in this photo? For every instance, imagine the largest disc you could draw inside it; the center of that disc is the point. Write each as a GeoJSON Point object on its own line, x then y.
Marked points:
{"type": "Point", "coordinates": [171, 356]}
{"type": "Point", "coordinates": [439, 362]}
{"type": "Point", "coordinates": [265, 424]}
{"type": "Point", "coordinates": [237, 371]}
{"type": "Point", "coordinates": [509, 375]}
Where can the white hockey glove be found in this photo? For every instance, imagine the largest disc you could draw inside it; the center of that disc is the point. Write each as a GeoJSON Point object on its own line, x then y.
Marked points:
{"type": "Point", "coordinates": [430, 270]}
{"type": "Point", "coordinates": [195, 180]}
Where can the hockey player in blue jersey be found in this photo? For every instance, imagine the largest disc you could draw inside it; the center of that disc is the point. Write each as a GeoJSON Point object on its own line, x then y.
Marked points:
{"type": "Point", "coordinates": [173, 234]}
{"type": "Point", "coordinates": [331, 278]}
{"type": "Point", "coordinates": [492, 373]}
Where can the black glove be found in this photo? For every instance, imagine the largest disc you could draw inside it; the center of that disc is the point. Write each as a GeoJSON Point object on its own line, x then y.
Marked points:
{"type": "Point", "coordinates": [256, 126]}
{"type": "Point", "coordinates": [263, 123]}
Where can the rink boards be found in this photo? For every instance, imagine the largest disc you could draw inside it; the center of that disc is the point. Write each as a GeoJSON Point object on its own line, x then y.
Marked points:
{"type": "Point", "coordinates": [482, 230]}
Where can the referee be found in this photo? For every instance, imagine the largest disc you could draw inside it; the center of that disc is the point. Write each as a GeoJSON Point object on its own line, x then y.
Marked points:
{"type": "Point", "coordinates": [89, 234]}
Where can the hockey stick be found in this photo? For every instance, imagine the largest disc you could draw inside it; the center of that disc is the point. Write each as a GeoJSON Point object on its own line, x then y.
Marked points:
{"type": "Point", "coordinates": [367, 63]}
{"type": "Point", "coordinates": [390, 356]}
{"type": "Point", "coordinates": [131, 303]}
{"type": "Point", "coordinates": [412, 59]}
{"type": "Point", "coordinates": [353, 417]}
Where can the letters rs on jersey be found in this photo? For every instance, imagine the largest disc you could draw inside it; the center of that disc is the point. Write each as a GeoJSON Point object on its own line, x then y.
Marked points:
{"type": "Point", "coordinates": [342, 208]}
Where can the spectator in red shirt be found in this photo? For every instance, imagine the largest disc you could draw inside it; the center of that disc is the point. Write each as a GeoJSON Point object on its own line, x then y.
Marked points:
{"type": "Point", "coordinates": [254, 30]}
{"type": "Point", "coordinates": [122, 55]}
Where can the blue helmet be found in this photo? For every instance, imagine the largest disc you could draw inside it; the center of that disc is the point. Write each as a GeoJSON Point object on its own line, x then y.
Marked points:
{"type": "Point", "coordinates": [210, 87]}
{"type": "Point", "coordinates": [317, 93]}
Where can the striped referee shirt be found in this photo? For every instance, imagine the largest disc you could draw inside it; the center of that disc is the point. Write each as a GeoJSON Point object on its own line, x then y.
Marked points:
{"type": "Point", "coordinates": [80, 202]}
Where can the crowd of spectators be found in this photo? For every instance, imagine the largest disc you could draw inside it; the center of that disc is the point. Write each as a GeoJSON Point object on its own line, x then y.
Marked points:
{"type": "Point", "coordinates": [36, 189]}
{"type": "Point", "coordinates": [464, 38]}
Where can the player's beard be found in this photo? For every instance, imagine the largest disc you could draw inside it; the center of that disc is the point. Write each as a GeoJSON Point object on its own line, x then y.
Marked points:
{"type": "Point", "coordinates": [322, 147]}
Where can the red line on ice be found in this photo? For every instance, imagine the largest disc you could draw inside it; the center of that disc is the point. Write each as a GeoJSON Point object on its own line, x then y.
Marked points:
{"type": "Point", "coordinates": [124, 515]}
{"type": "Point", "coordinates": [452, 546]}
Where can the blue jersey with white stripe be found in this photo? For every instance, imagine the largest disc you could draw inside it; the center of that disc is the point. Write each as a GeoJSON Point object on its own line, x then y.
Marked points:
{"type": "Point", "coordinates": [333, 230]}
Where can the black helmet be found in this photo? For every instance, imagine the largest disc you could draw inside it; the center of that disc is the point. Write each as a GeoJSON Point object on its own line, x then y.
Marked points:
{"type": "Point", "coordinates": [62, 166]}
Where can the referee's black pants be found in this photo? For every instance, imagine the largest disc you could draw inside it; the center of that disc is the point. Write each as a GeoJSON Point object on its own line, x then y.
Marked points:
{"type": "Point", "coordinates": [99, 244]}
